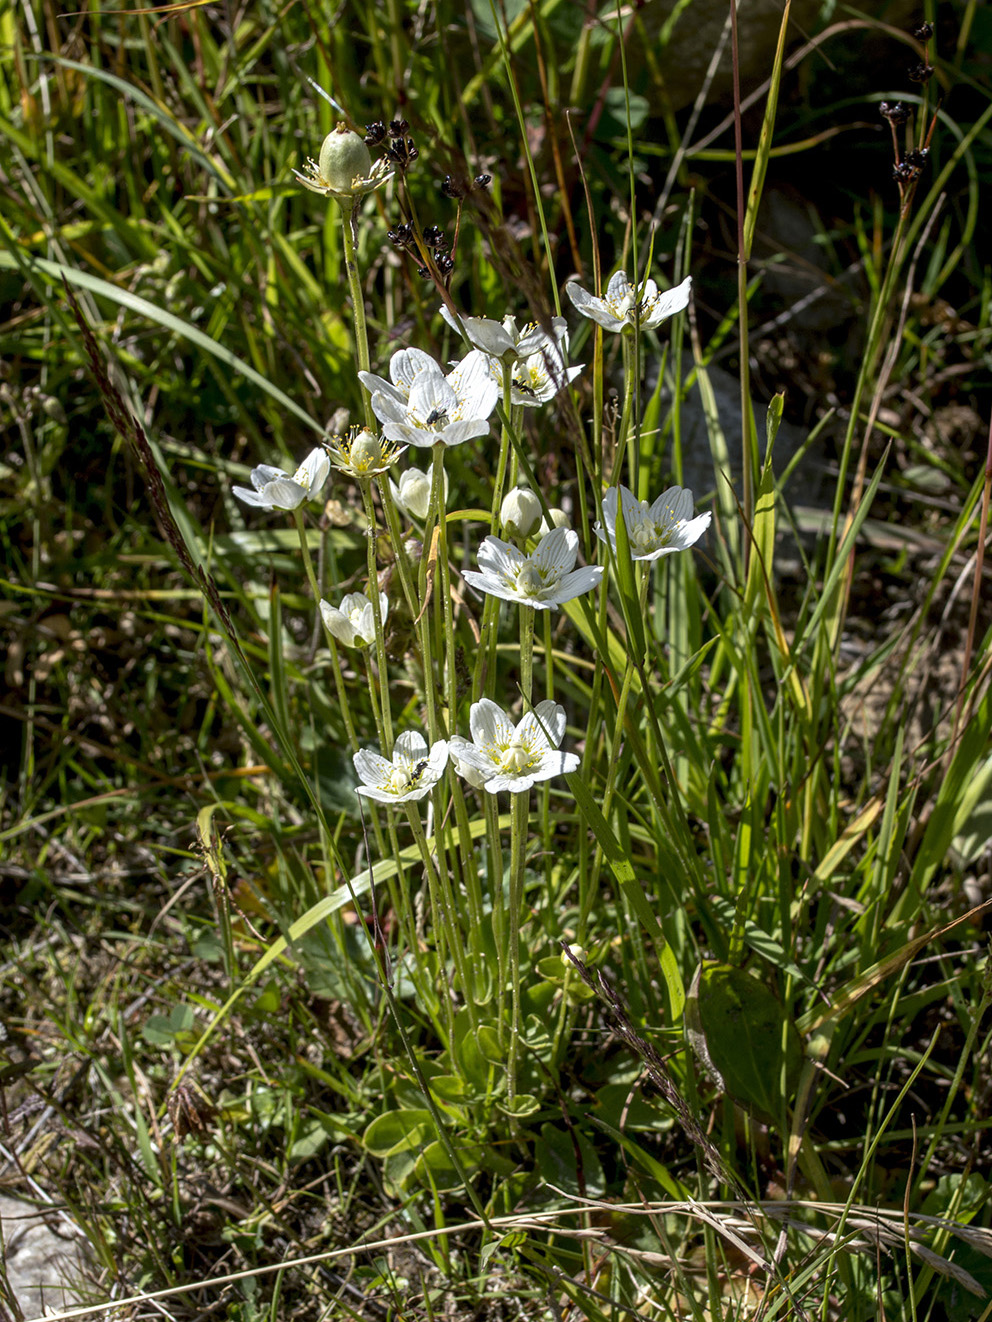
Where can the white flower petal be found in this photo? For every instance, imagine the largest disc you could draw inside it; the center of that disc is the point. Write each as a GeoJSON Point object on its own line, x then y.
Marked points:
{"type": "Point", "coordinates": [371, 766]}
{"type": "Point", "coordinates": [557, 550]}
{"type": "Point", "coordinates": [410, 745]}
{"type": "Point", "coordinates": [489, 724]}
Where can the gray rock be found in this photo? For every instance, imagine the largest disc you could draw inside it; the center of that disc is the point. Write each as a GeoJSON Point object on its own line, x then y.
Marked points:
{"type": "Point", "coordinates": [697, 30]}
{"type": "Point", "coordinates": [43, 1254]}
{"type": "Point", "coordinates": [700, 458]}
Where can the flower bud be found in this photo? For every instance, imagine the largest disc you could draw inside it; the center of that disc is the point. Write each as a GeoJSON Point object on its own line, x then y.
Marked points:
{"type": "Point", "coordinates": [413, 495]}
{"type": "Point", "coordinates": [578, 951]}
{"type": "Point", "coordinates": [520, 512]}
{"type": "Point", "coordinates": [559, 519]}
{"type": "Point", "coordinates": [366, 451]}
{"type": "Point", "coordinates": [344, 158]}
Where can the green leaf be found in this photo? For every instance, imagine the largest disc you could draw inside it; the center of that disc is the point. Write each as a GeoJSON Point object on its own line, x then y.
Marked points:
{"type": "Point", "coordinates": [435, 1167]}
{"type": "Point", "coordinates": [744, 1038]}
{"type": "Point", "coordinates": [520, 1104]}
{"type": "Point", "coordinates": [398, 1131]}
{"type": "Point", "coordinates": [560, 1154]}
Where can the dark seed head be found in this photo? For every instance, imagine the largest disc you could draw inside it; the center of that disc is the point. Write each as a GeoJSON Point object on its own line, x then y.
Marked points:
{"type": "Point", "coordinates": [903, 173]}
{"type": "Point", "coordinates": [401, 236]}
{"type": "Point", "coordinates": [444, 263]}
{"type": "Point", "coordinates": [397, 128]}
{"type": "Point", "coordinates": [920, 73]}
{"type": "Point", "coordinates": [483, 180]}
{"type": "Point", "coordinates": [401, 151]}
{"type": "Point", "coordinates": [424, 272]}
{"type": "Point", "coordinates": [434, 237]}
{"type": "Point", "coordinates": [895, 112]}
{"type": "Point", "coordinates": [452, 187]}
{"type": "Point", "coordinates": [917, 159]}
{"type": "Point", "coordinates": [924, 32]}
{"type": "Point", "coordinates": [374, 133]}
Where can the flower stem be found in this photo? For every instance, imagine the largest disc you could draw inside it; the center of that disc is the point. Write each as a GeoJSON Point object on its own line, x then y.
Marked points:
{"type": "Point", "coordinates": [386, 732]}
{"type": "Point", "coordinates": [442, 903]}
{"type": "Point", "coordinates": [357, 305]}
{"type": "Point", "coordinates": [630, 388]}
{"type": "Point", "coordinates": [527, 654]}
{"type": "Point", "coordinates": [485, 657]}
{"type": "Point", "coordinates": [444, 571]}
{"type": "Point", "coordinates": [518, 847]}
{"type": "Point", "coordinates": [339, 685]}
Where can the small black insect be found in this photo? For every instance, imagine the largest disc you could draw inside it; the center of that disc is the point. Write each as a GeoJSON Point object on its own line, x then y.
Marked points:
{"type": "Point", "coordinates": [435, 416]}
{"type": "Point", "coordinates": [419, 770]}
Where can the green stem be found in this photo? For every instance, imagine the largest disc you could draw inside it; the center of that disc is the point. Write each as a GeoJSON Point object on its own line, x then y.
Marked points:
{"type": "Point", "coordinates": [494, 868]}
{"type": "Point", "coordinates": [357, 305]}
{"type": "Point", "coordinates": [442, 903]}
{"type": "Point", "coordinates": [485, 657]}
{"type": "Point", "coordinates": [527, 655]}
{"type": "Point", "coordinates": [339, 685]}
{"type": "Point", "coordinates": [630, 388]}
{"type": "Point", "coordinates": [444, 577]}
{"type": "Point", "coordinates": [518, 848]}
{"type": "Point", "coordinates": [386, 732]}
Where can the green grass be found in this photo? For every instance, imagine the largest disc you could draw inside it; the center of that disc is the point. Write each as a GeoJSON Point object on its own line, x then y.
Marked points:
{"type": "Point", "coordinates": [294, 1060]}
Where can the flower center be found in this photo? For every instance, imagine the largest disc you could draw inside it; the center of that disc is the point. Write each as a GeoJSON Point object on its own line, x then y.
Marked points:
{"type": "Point", "coordinates": [530, 580]}
{"type": "Point", "coordinates": [366, 452]}
{"type": "Point", "coordinates": [516, 757]}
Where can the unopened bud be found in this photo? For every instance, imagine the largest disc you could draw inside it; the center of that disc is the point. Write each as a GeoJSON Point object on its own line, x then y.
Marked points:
{"type": "Point", "coordinates": [344, 158]}
{"type": "Point", "coordinates": [366, 451]}
{"type": "Point", "coordinates": [413, 495]}
{"type": "Point", "coordinates": [559, 519]}
{"type": "Point", "coordinates": [520, 512]}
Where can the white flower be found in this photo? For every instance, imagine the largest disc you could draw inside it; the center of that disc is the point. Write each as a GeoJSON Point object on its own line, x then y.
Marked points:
{"type": "Point", "coordinates": [520, 512]}
{"type": "Point", "coordinates": [409, 776]}
{"type": "Point", "coordinates": [653, 530]}
{"type": "Point", "coordinates": [352, 622]}
{"type": "Point", "coordinates": [414, 491]}
{"type": "Point", "coordinates": [512, 757]}
{"type": "Point", "coordinates": [539, 377]}
{"type": "Point", "coordinates": [502, 339]}
{"type": "Point", "coordinates": [344, 168]}
{"type": "Point", "coordinates": [627, 305]}
{"type": "Point", "coordinates": [440, 410]}
{"type": "Point", "coordinates": [276, 490]}
{"type": "Point", "coordinates": [403, 367]}
{"type": "Point", "coordinates": [361, 453]}
{"type": "Point", "coordinates": [542, 580]}
{"type": "Point", "coordinates": [537, 358]}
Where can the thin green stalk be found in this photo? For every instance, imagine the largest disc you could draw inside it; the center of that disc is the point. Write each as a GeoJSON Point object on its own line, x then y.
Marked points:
{"type": "Point", "coordinates": [386, 734]}
{"type": "Point", "coordinates": [494, 867]}
{"type": "Point", "coordinates": [629, 391]}
{"type": "Point", "coordinates": [442, 901]}
{"type": "Point", "coordinates": [527, 654]}
{"type": "Point", "coordinates": [485, 657]}
{"type": "Point", "coordinates": [342, 694]}
{"type": "Point", "coordinates": [348, 226]}
{"type": "Point", "coordinates": [518, 848]}
{"type": "Point", "coordinates": [444, 575]}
